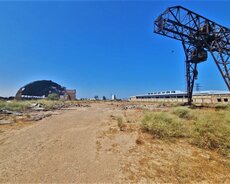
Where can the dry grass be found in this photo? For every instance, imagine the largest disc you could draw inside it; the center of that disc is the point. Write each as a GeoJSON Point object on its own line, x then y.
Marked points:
{"type": "Point", "coordinates": [205, 128]}
{"type": "Point", "coordinates": [14, 105]}
{"type": "Point", "coordinates": [24, 105]}
{"type": "Point", "coordinates": [121, 123]}
{"type": "Point", "coordinates": [163, 125]}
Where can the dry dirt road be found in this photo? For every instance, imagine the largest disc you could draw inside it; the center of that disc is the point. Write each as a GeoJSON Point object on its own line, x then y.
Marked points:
{"type": "Point", "coordinates": [62, 148]}
{"type": "Point", "coordinates": [85, 145]}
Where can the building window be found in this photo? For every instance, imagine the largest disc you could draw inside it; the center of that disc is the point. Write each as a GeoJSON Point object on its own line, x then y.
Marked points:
{"type": "Point", "coordinates": [225, 100]}
{"type": "Point", "coordinates": [218, 99]}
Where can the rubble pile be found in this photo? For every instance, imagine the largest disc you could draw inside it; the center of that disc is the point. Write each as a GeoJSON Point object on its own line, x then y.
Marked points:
{"type": "Point", "coordinates": [35, 112]}
{"type": "Point", "coordinates": [143, 106]}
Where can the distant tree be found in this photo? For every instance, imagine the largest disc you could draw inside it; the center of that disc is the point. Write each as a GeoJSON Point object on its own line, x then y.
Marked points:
{"type": "Point", "coordinates": [96, 97]}
{"type": "Point", "coordinates": [104, 98]}
{"type": "Point", "coordinates": [53, 96]}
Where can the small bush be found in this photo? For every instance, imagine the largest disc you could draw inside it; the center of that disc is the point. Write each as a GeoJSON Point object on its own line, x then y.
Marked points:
{"type": "Point", "coordinates": [120, 123]}
{"type": "Point", "coordinates": [163, 125]}
{"type": "Point", "coordinates": [53, 96]}
{"type": "Point", "coordinates": [182, 112]}
{"type": "Point", "coordinates": [213, 133]}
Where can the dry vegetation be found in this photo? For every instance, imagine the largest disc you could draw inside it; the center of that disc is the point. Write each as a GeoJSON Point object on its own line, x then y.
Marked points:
{"type": "Point", "coordinates": [176, 144]}
{"type": "Point", "coordinates": [14, 105]}
{"type": "Point", "coordinates": [23, 105]}
{"type": "Point", "coordinates": [203, 127]}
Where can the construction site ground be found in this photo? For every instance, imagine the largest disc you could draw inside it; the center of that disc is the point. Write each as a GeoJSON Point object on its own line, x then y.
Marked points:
{"type": "Point", "coordinates": [86, 145]}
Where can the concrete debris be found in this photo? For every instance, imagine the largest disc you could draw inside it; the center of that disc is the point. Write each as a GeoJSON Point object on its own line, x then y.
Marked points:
{"type": "Point", "coordinates": [81, 105]}
{"type": "Point", "coordinates": [36, 112]}
{"type": "Point", "coordinates": [2, 111]}
{"type": "Point", "coordinates": [37, 117]}
{"type": "Point", "coordinates": [148, 107]}
{"type": "Point", "coordinates": [37, 107]}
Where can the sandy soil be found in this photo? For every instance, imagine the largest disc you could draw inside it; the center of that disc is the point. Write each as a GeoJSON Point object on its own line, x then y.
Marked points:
{"type": "Point", "coordinates": [85, 145]}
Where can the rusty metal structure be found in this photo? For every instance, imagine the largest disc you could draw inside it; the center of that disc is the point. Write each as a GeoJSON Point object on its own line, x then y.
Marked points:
{"type": "Point", "coordinates": [199, 36]}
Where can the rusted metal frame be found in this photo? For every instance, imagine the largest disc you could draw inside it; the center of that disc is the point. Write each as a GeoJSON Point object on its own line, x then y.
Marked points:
{"type": "Point", "coordinates": [199, 15]}
{"type": "Point", "coordinates": [174, 33]}
{"type": "Point", "coordinates": [190, 20]}
{"type": "Point", "coordinates": [190, 71]}
{"type": "Point", "coordinates": [226, 34]}
{"type": "Point", "coordinates": [217, 63]}
{"type": "Point", "coordinates": [190, 75]}
{"type": "Point", "coordinates": [224, 44]}
{"type": "Point", "coordinates": [198, 21]}
{"type": "Point", "coordinates": [226, 68]}
{"type": "Point", "coordinates": [227, 80]}
{"type": "Point", "coordinates": [219, 68]}
{"type": "Point", "coordinates": [226, 75]}
{"type": "Point", "coordinates": [180, 18]}
{"type": "Point", "coordinates": [178, 34]}
{"type": "Point", "coordinates": [171, 31]}
{"type": "Point", "coordinates": [186, 41]}
{"type": "Point", "coordinates": [194, 20]}
{"type": "Point", "coordinates": [181, 25]}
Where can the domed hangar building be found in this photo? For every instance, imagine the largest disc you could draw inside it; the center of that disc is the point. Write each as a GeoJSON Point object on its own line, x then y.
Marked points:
{"type": "Point", "coordinates": [42, 88]}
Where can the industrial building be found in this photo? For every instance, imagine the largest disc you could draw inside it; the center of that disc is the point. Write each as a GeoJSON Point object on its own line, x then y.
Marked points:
{"type": "Point", "coordinates": [180, 96]}
{"type": "Point", "coordinates": [70, 94]}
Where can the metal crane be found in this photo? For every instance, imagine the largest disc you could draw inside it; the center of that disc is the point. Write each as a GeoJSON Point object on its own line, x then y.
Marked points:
{"type": "Point", "coordinates": [199, 36]}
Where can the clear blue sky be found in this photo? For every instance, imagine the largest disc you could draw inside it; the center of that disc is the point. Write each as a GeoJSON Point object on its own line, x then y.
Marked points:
{"type": "Point", "coordinates": [98, 48]}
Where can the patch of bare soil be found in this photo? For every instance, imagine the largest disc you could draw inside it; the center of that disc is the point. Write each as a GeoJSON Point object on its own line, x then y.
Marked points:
{"type": "Point", "coordinates": [174, 162]}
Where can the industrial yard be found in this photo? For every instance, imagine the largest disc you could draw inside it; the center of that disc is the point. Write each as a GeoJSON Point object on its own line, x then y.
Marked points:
{"type": "Point", "coordinates": [115, 92]}
{"type": "Point", "coordinates": [88, 142]}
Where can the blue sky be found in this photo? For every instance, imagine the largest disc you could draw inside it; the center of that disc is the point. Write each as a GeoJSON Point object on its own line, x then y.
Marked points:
{"type": "Point", "coordinates": [99, 48]}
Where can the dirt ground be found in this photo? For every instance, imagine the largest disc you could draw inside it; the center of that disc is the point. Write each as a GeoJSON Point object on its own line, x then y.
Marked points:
{"type": "Point", "coordinates": [85, 145]}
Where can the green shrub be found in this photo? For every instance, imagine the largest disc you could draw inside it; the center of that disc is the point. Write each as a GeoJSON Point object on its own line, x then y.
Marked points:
{"type": "Point", "coordinates": [163, 125]}
{"type": "Point", "coordinates": [53, 96]}
{"type": "Point", "coordinates": [14, 105]}
{"type": "Point", "coordinates": [212, 132]}
{"type": "Point", "coordinates": [182, 112]}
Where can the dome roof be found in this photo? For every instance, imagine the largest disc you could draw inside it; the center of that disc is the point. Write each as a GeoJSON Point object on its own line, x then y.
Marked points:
{"type": "Point", "coordinates": [40, 88]}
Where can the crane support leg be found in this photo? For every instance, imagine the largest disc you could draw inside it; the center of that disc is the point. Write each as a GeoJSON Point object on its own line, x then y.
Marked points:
{"type": "Point", "coordinates": [191, 71]}
{"type": "Point", "coordinates": [191, 75]}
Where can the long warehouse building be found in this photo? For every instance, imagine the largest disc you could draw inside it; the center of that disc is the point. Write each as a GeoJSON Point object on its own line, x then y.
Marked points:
{"type": "Point", "coordinates": [180, 96]}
